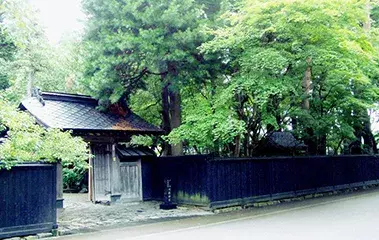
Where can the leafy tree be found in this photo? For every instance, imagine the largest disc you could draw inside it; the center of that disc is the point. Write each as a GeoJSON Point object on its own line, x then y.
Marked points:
{"type": "Point", "coordinates": [22, 24]}
{"type": "Point", "coordinates": [27, 142]}
{"type": "Point", "coordinates": [306, 65]}
{"type": "Point", "coordinates": [64, 67]}
{"type": "Point", "coordinates": [36, 62]}
{"type": "Point", "coordinates": [28, 60]}
{"type": "Point", "coordinates": [209, 122]}
{"type": "Point", "coordinates": [7, 51]}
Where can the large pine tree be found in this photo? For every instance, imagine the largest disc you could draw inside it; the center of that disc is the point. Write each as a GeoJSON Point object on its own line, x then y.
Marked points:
{"type": "Point", "coordinates": [131, 43]}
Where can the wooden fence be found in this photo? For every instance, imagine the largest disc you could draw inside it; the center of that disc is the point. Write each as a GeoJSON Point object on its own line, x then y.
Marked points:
{"type": "Point", "coordinates": [221, 182]}
{"type": "Point", "coordinates": [27, 200]}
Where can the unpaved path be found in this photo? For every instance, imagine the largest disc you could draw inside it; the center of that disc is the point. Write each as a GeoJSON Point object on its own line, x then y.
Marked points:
{"type": "Point", "coordinates": [81, 215]}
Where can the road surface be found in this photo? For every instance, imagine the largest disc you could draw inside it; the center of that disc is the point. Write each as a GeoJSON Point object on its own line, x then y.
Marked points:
{"type": "Point", "coordinates": [348, 216]}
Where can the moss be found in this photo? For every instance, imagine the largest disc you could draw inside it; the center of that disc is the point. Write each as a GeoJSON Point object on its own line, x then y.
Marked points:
{"type": "Point", "coordinates": [192, 198]}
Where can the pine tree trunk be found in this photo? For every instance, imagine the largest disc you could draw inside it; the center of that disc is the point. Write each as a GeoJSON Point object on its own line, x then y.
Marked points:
{"type": "Point", "coordinates": [176, 119]}
{"type": "Point", "coordinates": [166, 117]}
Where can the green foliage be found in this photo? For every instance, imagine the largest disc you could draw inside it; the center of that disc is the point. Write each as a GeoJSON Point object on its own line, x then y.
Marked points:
{"type": "Point", "coordinates": [31, 60]}
{"type": "Point", "coordinates": [209, 122]}
{"type": "Point", "coordinates": [239, 75]}
{"type": "Point", "coordinates": [73, 173]}
{"type": "Point", "coordinates": [29, 142]}
{"type": "Point", "coordinates": [269, 44]}
{"type": "Point", "coordinates": [7, 52]}
{"type": "Point", "coordinates": [25, 52]}
{"type": "Point", "coordinates": [147, 102]}
{"type": "Point", "coordinates": [64, 67]}
{"type": "Point", "coordinates": [140, 140]}
{"type": "Point", "coordinates": [137, 49]}
{"type": "Point", "coordinates": [129, 41]}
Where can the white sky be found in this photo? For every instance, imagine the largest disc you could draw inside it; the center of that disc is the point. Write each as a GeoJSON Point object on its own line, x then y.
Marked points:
{"type": "Point", "coordinates": [59, 17]}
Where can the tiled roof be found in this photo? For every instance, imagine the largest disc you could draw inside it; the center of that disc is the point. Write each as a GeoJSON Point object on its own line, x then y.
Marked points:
{"type": "Point", "coordinates": [78, 112]}
{"type": "Point", "coordinates": [124, 151]}
{"type": "Point", "coordinates": [284, 140]}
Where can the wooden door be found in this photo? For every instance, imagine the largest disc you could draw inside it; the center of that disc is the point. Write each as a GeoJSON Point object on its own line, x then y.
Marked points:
{"type": "Point", "coordinates": [131, 181]}
{"type": "Point", "coordinates": [101, 172]}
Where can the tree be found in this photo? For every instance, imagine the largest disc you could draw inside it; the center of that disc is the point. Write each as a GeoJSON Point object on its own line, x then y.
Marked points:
{"type": "Point", "coordinates": [33, 61]}
{"type": "Point", "coordinates": [305, 65]}
{"type": "Point", "coordinates": [63, 71]}
{"type": "Point", "coordinates": [27, 142]}
{"type": "Point", "coordinates": [28, 60]}
{"type": "Point", "coordinates": [209, 122]}
{"type": "Point", "coordinates": [132, 45]}
{"type": "Point", "coordinates": [7, 51]}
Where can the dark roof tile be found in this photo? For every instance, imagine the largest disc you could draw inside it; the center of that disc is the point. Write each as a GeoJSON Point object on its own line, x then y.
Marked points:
{"type": "Point", "coordinates": [78, 112]}
{"type": "Point", "coordinates": [124, 151]}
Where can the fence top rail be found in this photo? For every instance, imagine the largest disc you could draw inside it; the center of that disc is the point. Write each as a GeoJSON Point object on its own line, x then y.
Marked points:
{"type": "Point", "coordinates": [36, 165]}
{"type": "Point", "coordinates": [275, 158]}
{"type": "Point", "coordinates": [187, 157]}
{"type": "Point", "coordinates": [33, 164]}
{"type": "Point", "coordinates": [278, 158]}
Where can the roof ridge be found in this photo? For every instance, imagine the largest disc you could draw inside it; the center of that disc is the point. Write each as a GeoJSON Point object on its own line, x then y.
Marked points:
{"type": "Point", "coordinates": [64, 93]}
{"type": "Point", "coordinates": [68, 97]}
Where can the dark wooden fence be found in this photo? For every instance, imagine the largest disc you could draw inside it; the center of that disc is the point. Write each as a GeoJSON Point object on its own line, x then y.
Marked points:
{"type": "Point", "coordinates": [27, 200]}
{"type": "Point", "coordinates": [216, 182]}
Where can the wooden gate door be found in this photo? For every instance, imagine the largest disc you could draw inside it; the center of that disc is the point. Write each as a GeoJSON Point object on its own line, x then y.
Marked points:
{"type": "Point", "coordinates": [131, 181]}
{"type": "Point", "coordinates": [101, 172]}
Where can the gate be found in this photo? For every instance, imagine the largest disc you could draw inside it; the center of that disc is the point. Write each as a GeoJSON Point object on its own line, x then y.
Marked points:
{"type": "Point", "coordinates": [131, 180]}
{"type": "Point", "coordinates": [101, 172]}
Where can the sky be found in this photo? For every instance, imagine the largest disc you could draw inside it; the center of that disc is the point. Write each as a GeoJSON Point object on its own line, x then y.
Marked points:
{"type": "Point", "coordinates": [59, 17]}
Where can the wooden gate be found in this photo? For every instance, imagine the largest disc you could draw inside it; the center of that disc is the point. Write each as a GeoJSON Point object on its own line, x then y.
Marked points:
{"type": "Point", "coordinates": [131, 180]}
{"type": "Point", "coordinates": [101, 172]}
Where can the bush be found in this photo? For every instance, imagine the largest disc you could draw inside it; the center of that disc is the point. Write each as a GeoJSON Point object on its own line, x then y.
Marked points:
{"type": "Point", "coordinates": [73, 176]}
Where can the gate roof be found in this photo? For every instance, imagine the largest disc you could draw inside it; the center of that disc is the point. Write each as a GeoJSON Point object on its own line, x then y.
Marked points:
{"type": "Point", "coordinates": [80, 113]}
